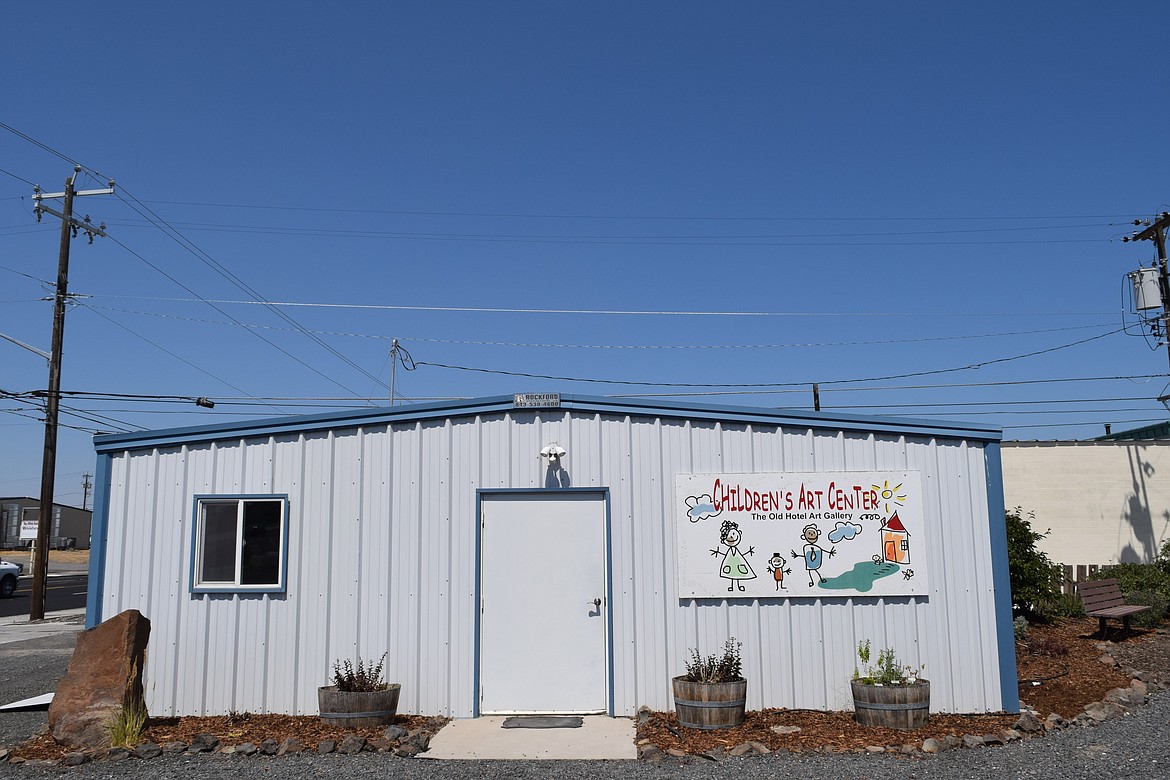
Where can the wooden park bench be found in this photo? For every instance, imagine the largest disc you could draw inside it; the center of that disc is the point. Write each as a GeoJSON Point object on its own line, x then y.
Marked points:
{"type": "Point", "coordinates": [1102, 600]}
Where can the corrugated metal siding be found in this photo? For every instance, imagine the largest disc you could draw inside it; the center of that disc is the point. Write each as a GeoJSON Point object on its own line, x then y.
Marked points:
{"type": "Point", "coordinates": [382, 557]}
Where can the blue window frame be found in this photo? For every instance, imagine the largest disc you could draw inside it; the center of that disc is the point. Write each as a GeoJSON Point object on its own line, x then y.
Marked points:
{"type": "Point", "coordinates": [240, 544]}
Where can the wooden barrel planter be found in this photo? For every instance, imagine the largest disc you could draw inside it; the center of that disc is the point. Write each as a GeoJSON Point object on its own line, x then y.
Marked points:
{"type": "Point", "coordinates": [709, 706]}
{"type": "Point", "coordinates": [892, 706]}
{"type": "Point", "coordinates": [357, 708]}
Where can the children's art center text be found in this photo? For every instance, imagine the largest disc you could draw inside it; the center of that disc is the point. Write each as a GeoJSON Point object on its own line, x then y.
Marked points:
{"type": "Point", "coordinates": [740, 498]}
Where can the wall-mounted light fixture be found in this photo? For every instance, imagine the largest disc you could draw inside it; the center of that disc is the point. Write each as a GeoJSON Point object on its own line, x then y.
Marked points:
{"type": "Point", "coordinates": [553, 452]}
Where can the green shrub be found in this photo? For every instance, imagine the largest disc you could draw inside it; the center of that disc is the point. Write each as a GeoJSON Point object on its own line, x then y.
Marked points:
{"type": "Point", "coordinates": [1162, 560]}
{"type": "Point", "coordinates": [1034, 578]}
{"type": "Point", "coordinates": [1157, 603]}
{"type": "Point", "coordinates": [887, 671]}
{"type": "Point", "coordinates": [1134, 577]}
{"type": "Point", "coordinates": [1020, 628]}
{"type": "Point", "coordinates": [1063, 606]}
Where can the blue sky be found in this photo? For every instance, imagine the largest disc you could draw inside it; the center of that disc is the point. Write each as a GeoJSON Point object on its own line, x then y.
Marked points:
{"type": "Point", "coordinates": [769, 193]}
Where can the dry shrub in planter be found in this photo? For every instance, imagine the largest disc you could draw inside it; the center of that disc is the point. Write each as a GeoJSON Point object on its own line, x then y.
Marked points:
{"type": "Point", "coordinates": [358, 697]}
{"type": "Point", "coordinates": [713, 693]}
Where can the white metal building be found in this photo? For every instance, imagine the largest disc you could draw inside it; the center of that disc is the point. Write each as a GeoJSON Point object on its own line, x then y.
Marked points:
{"type": "Point", "coordinates": [499, 579]}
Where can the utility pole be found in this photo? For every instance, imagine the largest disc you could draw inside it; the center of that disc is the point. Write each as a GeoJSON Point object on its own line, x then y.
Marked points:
{"type": "Point", "coordinates": [1156, 232]}
{"type": "Point", "coordinates": [393, 366]}
{"type": "Point", "coordinates": [69, 228]}
{"type": "Point", "coordinates": [86, 484]}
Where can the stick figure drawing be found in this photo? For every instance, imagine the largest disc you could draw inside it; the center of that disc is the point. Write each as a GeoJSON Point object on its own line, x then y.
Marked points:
{"type": "Point", "coordinates": [734, 566]}
{"type": "Point", "coordinates": [813, 553]}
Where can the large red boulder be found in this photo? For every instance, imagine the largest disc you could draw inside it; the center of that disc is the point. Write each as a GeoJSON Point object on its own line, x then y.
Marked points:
{"type": "Point", "coordinates": [106, 670]}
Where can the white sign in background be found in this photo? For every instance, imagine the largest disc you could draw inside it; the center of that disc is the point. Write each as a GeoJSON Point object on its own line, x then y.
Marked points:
{"type": "Point", "coordinates": [800, 535]}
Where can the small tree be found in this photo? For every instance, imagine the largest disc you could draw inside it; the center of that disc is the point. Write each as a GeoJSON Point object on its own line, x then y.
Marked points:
{"type": "Point", "coordinates": [1033, 576]}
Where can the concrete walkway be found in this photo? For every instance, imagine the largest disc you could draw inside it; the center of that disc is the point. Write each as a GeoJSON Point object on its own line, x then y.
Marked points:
{"type": "Point", "coordinates": [17, 628]}
{"type": "Point", "coordinates": [599, 737]}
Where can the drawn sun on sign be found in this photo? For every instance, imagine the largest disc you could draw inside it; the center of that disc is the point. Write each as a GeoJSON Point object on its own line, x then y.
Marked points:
{"type": "Point", "coordinates": [890, 494]}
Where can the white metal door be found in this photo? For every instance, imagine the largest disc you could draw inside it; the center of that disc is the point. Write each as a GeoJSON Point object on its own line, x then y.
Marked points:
{"type": "Point", "coordinates": [543, 625]}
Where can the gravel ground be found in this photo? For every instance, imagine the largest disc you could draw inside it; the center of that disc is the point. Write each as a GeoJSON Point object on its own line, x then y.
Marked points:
{"type": "Point", "coordinates": [1131, 747]}
{"type": "Point", "coordinates": [1135, 746]}
{"type": "Point", "coordinates": [30, 668]}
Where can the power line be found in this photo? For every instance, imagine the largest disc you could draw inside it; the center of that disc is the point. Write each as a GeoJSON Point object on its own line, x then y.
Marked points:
{"type": "Point", "coordinates": [223, 271]}
{"type": "Point", "coordinates": [224, 313]}
{"type": "Point", "coordinates": [204, 257]}
{"type": "Point", "coordinates": [907, 375]}
{"type": "Point", "coordinates": [175, 355]}
{"type": "Point", "coordinates": [698, 240]}
{"type": "Point", "coordinates": [44, 282]}
{"type": "Point", "coordinates": [646, 217]}
{"type": "Point", "coordinates": [1145, 421]}
{"type": "Point", "coordinates": [290, 400]}
{"type": "Point", "coordinates": [18, 178]}
{"type": "Point", "coordinates": [610, 312]}
{"type": "Point", "coordinates": [549, 345]}
{"type": "Point", "coordinates": [40, 420]}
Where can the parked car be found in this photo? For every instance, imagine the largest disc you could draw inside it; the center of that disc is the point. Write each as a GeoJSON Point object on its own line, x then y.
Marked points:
{"type": "Point", "coordinates": [8, 573]}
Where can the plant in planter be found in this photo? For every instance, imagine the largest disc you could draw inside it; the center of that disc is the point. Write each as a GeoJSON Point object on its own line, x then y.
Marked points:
{"type": "Point", "coordinates": [358, 696]}
{"type": "Point", "coordinates": [713, 693]}
{"type": "Point", "coordinates": [889, 693]}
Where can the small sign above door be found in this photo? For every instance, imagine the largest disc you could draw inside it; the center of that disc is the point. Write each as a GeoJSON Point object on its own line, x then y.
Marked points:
{"type": "Point", "coordinates": [536, 400]}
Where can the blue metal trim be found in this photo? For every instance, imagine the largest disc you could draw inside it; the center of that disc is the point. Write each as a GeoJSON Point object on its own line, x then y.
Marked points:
{"type": "Point", "coordinates": [99, 527]}
{"type": "Point", "coordinates": [504, 405]}
{"type": "Point", "coordinates": [478, 603]}
{"type": "Point", "coordinates": [1001, 582]}
{"type": "Point", "coordinates": [609, 602]}
{"type": "Point", "coordinates": [200, 590]}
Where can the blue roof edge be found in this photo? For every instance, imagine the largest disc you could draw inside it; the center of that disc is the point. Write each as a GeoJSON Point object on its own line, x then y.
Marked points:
{"type": "Point", "coordinates": [505, 403]}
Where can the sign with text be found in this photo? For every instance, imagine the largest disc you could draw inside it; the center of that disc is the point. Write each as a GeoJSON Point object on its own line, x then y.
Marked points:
{"type": "Point", "coordinates": [814, 535]}
{"type": "Point", "coordinates": [536, 400]}
{"type": "Point", "coordinates": [28, 529]}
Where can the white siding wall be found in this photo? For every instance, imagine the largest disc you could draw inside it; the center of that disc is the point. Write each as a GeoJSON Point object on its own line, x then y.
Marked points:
{"type": "Point", "coordinates": [1105, 502]}
{"type": "Point", "coordinates": [382, 558]}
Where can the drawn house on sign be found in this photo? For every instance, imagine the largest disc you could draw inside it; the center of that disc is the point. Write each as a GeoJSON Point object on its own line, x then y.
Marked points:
{"type": "Point", "coordinates": [895, 541]}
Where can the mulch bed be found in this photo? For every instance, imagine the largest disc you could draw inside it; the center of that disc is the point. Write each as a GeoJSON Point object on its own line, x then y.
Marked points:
{"type": "Point", "coordinates": [1060, 666]}
{"type": "Point", "coordinates": [1064, 658]}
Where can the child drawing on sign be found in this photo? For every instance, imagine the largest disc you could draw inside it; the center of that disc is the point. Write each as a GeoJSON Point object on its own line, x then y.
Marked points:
{"type": "Point", "coordinates": [734, 566]}
{"type": "Point", "coordinates": [776, 566]}
{"type": "Point", "coordinates": [813, 553]}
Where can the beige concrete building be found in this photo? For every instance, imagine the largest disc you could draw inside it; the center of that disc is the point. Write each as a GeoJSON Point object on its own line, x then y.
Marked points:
{"type": "Point", "coordinates": [1104, 501]}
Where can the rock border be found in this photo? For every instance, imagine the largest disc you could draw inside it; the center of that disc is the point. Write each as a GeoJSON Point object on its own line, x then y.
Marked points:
{"type": "Point", "coordinates": [395, 740]}
{"type": "Point", "coordinates": [1116, 703]}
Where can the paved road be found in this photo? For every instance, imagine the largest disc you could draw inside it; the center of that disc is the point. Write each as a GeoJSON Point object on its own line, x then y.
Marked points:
{"type": "Point", "coordinates": [62, 592]}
